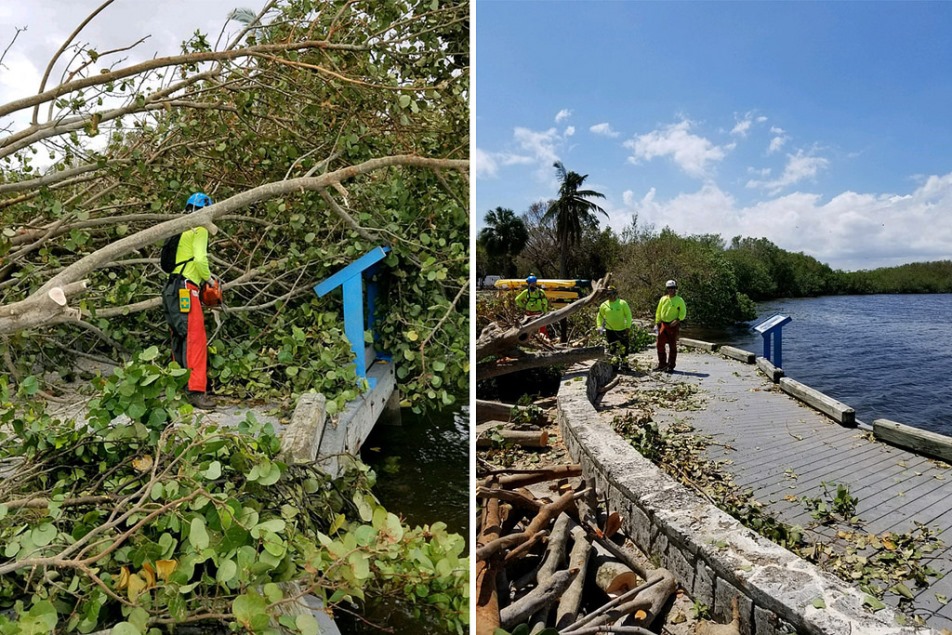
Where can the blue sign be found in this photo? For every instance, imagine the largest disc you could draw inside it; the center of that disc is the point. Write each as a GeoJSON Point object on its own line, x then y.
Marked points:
{"type": "Point", "coordinates": [771, 330]}
{"type": "Point", "coordinates": [351, 280]}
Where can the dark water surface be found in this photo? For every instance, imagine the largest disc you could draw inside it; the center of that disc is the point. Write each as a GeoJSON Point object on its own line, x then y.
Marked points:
{"type": "Point", "coordinates": [422, 468]}
{"type": "Point", "coordinates": [887, 356]}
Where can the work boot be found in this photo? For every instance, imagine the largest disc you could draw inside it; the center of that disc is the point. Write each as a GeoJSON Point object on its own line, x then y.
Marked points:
{"type": "Point", "coordinates": [201, 401]}
{"type": "Point", "coordinates": [657, 368]}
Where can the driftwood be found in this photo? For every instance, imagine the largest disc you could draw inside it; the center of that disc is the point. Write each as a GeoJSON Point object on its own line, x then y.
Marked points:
{"type": "Point", "coordinates": [564, 357]}
{"type": "Point", "coordinates": [494, 341]}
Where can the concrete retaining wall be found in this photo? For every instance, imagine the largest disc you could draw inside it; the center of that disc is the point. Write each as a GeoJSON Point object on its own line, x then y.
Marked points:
{"type": "Point", "coordinates": [713, 556]}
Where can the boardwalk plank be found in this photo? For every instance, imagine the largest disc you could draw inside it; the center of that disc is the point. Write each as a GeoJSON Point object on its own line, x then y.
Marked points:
{"type": "Point", "coordinates": [894, 487]}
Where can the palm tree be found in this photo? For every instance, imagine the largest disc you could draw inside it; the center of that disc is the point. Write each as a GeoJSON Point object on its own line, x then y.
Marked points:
{"type": "Point", "coordinates": [504, 236]}
{"type": "Point", "coordinates": [572, 212]}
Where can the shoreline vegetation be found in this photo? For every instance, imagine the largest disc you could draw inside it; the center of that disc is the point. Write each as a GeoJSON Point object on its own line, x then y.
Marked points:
{"type": "Point", "coordinates": [720, 279]}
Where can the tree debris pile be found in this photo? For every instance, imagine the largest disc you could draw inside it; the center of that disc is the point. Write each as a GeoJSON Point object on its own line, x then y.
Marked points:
{"type": "Point", "coordinates": [556, 562]}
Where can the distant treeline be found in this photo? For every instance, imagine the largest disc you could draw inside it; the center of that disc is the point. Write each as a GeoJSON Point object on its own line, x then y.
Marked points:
{"type": "Point", "coordinates": [719, 280]}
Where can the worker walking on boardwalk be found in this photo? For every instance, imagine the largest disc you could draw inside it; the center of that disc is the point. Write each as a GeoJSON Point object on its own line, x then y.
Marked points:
{"type": "Point", "coordinates": [671, 311]}
{"type": "Point", "coordinates": [614, 320]}
{"type": "Point", "coordinates": [533, 300]}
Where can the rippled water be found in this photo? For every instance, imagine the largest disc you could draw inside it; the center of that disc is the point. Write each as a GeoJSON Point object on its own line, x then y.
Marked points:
{"type": "Point", "coordinates": [887, 356]}
{"type": "Point", "coordinates": [422, 468]}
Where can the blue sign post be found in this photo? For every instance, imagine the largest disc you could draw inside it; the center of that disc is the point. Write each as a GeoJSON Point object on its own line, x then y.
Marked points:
{"type": "Point", "coordinates": [351, 279]}
{"type": "Point", "coordinates": [770, 329]}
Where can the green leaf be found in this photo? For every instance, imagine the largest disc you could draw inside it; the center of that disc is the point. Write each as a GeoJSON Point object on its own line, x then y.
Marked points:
{"type": "Point", "coordinates": [307, 624]}
{"type": "Point", "coordinates": [149, 354]}
{"type": "Point", "coordinates": [124, 628]}
{"type": "Point", "coordinates": [873, 603]}
{"type": "Point", "coordinates": [818, 603]}
{"type": "Point", "coordinates": [404, 100]}
{"type": "Point", "coordinates": [43, 534]}
{"type": "Point", "coordinates": [903, 590]}
{"type": "Point", "coordinates": [198, 535]}
{"type": "Point", "coordinates": [227, 569]}
{"type": "Point", "coordinates": [248, 607]}
{"type": "Point", "coordinates": [213, 472]}
{"type": "Point", "coordinates": [30, 385]}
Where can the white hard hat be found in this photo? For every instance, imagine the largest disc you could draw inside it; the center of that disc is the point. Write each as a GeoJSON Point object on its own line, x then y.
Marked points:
{"type": "Point", "coordinates": [670, 283]}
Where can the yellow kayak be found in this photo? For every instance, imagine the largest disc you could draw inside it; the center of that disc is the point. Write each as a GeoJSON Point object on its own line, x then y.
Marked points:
{"type": "Point", "coordinates": [557, 291]}
{"type": "Point", "coordinates": [545, 283]}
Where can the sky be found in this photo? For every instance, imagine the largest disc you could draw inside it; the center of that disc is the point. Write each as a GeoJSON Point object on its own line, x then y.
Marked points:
{"type": "Point", "coordinates": [165, 24]}
{"type": "Point", "coordinates": [825, 127]}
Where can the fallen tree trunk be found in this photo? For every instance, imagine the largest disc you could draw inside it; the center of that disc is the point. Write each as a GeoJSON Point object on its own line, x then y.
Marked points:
{"type": "Point", "coordinates": [523, 479]}
{"type": "Point", "coordinates": [524, 438]}
{"type": "Point", "coordinates": [497, 411]}
{"type": "Point", "coordinates": [494, 341]}
{"type": "Point", "coordinates": [495, 368]}
{"type": "Point", "coordinates": [487, 599]}
{"type": "Point", "coordinates": [571, 601]}
{"type": "Point", "coordinates": [539, 598]}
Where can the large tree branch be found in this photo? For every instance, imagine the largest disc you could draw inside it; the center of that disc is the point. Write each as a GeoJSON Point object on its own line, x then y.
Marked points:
{"type": "Point", "coordinates": [37, 310]}
{"type": "Point", "coordinates": [492, 342]}
{"type": "Point", "coordinates": [164, 62]}
{"type": "Point", "coordinates": [487, 370]}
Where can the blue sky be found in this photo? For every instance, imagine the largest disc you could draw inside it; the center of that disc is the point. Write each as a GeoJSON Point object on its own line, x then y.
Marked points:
{"type": "Point", "coordinates": [825, 127]}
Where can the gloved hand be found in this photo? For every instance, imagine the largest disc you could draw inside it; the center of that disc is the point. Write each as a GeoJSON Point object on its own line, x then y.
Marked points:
{"type": "Point", "coordinates": [601, 331]}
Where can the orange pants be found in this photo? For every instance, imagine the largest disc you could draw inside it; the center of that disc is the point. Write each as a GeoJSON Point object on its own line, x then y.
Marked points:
{"type": "Point", "coordinates": [191, 351]}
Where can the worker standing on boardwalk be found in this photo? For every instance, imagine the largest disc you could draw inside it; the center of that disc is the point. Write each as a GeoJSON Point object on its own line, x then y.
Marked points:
{"type": "Point", "coordinates": [533, 300]}
{"type": "Point", "coordinates": [671, 310]}
{"type": "Point", "coordinates": [183, 297]}
{"type": "Point", "coordinates": [614, 320]}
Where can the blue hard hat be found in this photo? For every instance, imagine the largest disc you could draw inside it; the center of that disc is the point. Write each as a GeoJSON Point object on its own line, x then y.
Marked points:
{"type": "Point", "coordinates": [198, 200]}
{"type": "Point", "coordinates": [531, 279]}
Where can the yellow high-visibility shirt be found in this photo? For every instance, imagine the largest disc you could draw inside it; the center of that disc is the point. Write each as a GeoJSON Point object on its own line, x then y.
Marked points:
{"type": "Point", "coordinates": [614, 315]}
{"type": "Point", "coordinates": [530, 300]}
{"type": "Point", "coordinates": [670, 308]}
{"type": "Point", "coordinates": [193, 244]}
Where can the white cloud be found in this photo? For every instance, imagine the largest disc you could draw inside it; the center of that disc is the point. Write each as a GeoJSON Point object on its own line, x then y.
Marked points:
{"type": "Point", "coordinates": [742, 127]}
{"type": "Point", "coordinates": [692, 153]}
{"type": "Point", "coordinates": [487, 164]}
{"type": "Point", "coordinates": [562, 115]}
{"type": "Point", "coordinates": [800, 166]}
{"type": "Point", "coordinates": [779, 139]}
{"type": "Point", "coordinates": [569, 131]}
{"type": "Point", "coordinates": [850, 231]}
{"type": "Point", "coordinates": [604, 129]}
{"type": "Point", "coordinates": [483, 164]}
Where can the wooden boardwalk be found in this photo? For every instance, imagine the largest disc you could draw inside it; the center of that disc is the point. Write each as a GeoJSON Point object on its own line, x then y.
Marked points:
{"type": "Point", "coordinates": [779, 448]}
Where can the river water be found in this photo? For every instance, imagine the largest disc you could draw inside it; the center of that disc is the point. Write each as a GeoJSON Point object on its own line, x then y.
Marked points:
{"type": "Point", "coordinates": [887, 356]}
{"type": "Point", "coordinates": [422, 468]}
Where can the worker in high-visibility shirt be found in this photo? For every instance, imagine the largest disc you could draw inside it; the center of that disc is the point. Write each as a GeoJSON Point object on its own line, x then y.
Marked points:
{"type": "Point", "coordinates": [183, 305]}
{"type": "Point", "coordinates": [614, 320]}
{"type": "Point", "coordinates": [668, 316]}
{"type": "Point", "coordinates": [533, 300]}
